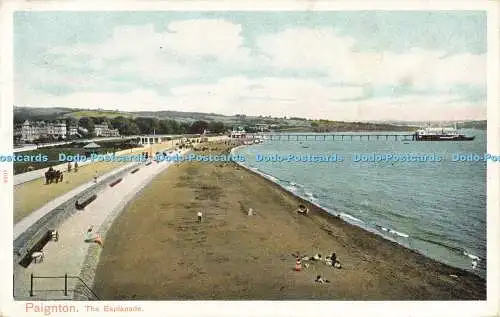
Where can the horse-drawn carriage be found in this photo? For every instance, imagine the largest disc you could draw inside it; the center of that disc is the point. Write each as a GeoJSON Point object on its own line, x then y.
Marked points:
{"type": "Point", "coordinates": [53, 175]}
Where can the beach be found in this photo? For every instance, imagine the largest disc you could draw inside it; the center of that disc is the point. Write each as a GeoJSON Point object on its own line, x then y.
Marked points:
{"type": "Point", "coordinates": [157, 250]}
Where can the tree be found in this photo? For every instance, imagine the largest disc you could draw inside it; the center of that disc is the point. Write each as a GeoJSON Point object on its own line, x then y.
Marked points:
{"type": "Point", "coordinates": [216, 127]}
{"type": "Point", "coordinates": [169, 126]}
{"type": "Point", "coordinates": [183, 128]}
{"type": "Point", "coordinates": [71, 121]}
{"type": "Point", "coordinates": [175, 126]}
{"type": "Point", "coordinates": [250, 129]}
{"type": "Point", "coordinates": [87, 123]}
{"type": "Point", "coordinates": [133, 129]}
{"type": "Point", "coordinates": [125, 126]}
{"type": "Point", "coordinates": [147, 125]}
{"type": "Point", "coordinates": [101, 120]}
{"type": "Point", "coordinates": [198, 127]}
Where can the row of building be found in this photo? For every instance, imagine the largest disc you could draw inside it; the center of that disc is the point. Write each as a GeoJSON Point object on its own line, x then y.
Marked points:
{"type": "Point", "coordinates": [29, 131]}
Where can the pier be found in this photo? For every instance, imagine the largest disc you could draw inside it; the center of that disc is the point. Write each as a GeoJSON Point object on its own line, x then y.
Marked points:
{"type": "Point", "coordinates": [337, 137]}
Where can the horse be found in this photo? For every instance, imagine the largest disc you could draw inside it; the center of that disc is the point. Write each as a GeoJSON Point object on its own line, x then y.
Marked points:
{"type": "Point", "coordinates": [57, 176]}
{"type": "Point", "coordinates": [49, 176]}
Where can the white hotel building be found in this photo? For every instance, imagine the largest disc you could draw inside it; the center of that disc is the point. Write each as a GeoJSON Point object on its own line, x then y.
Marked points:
{"type": "Point", "coordinates": [30, 131]}
{"type": "Point", "coordinates": [105, 131]}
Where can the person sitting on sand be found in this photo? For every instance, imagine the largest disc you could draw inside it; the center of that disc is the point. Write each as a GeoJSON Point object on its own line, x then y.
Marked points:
{"type": "Point", "coordinates": [302, 210]}
{"type": "Point", "coordinates": [316, 257]}
{"type": "Point", "coordinates": [320, 280]}
{"type": "Point", "coordinates": [333, 258]}
{"type": "Point", "coordinates": [306, 258]}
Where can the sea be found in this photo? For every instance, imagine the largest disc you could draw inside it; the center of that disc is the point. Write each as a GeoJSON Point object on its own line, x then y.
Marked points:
{"type": "Point", "coordinates": [437, 208]}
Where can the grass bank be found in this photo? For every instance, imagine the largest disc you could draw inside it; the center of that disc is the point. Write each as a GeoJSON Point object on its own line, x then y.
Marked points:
{"type": "Point", "coordinates": [32, 195]}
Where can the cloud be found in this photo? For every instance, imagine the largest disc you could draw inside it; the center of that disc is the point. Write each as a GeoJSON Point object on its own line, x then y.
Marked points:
{"type": "Point", "coordinates": [211, 65]}
{"type": "Point", "coordinates": [420, 107]}
{"type": "Point", "coordinates": [182, 39]}
{"type": "Point", "coordinates": [210, 37]}
{"type": "Point", "coordinates": [324, 50]}
{"type": "Point", "coordinates": [273, 96]}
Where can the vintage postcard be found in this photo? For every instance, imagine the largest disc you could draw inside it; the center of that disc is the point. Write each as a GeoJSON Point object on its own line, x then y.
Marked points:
{"type": "Point", "coordinates": [250, 159]}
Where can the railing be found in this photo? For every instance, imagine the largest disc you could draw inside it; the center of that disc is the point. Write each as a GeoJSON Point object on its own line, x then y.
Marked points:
{"type": "Point", "coordinates": [338, 137]}
{"type": "Point", "coordinates": [65, 277]}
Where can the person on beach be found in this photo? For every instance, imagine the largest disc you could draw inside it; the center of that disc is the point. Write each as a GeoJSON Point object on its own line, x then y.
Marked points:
{"type": "Point", "coordinates": [90, 238]}
{"type": "Point", "coordinates": [303, 210]}
{"type": "Point", "coordinates": [69, 167]}
{"type": "Point", "coordinates": [320, 280]}
{"type": "Point", "coordinates": [89, 235]}
{"type": "Point", "coordinates": [474, 264]}
{"type": "Point", "coordinates": [95, 177]}
{"type": "Point", "coordinates": [76, 167]}
{"type": "Point", "coordinates": [200, 216]}
{"type": "Point", "coordinates": [333, 258]}
{"type": "Point", "coordinates": [316, 257]}
{"type": "Point", "coordinates": [98, 240]}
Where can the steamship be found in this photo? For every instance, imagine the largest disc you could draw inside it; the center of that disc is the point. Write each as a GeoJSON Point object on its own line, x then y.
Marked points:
{"type": "Point", "coordinates": [441, 134]}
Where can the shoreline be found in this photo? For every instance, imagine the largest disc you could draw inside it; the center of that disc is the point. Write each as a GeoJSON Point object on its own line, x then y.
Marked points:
{"type": "Point", "coordinates": [325, 213]}
{"type": "Point", "coordinates": [158, 251]}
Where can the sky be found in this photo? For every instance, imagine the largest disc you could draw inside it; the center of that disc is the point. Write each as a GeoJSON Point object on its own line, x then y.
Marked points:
{"type": "Point", "coordinates": [337, 65]}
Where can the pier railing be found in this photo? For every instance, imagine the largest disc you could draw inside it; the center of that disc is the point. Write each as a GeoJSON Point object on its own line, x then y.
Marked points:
{"type": "Point", "coordinates": [89, 293]}
{"type": "Point", "coordinates": [337, 137]}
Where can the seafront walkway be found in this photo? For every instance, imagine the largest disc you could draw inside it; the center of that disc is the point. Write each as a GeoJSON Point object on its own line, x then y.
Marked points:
{"type": "Point", "coordinates": [39, 173]}
{"type": "Point", "coordinates": [32, 218]}
{"type": "Point", "coordinates": [68, 254]}
{"type": "Point", "coordinates": [32, 195]}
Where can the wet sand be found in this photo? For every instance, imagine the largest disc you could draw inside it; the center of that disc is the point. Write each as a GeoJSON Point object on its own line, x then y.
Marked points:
{"type": "Point", "coordinates": [156, 249]}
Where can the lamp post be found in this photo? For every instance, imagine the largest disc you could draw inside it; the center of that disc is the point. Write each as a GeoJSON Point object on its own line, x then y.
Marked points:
{"type": "Point", "coordinates": [151, 144]}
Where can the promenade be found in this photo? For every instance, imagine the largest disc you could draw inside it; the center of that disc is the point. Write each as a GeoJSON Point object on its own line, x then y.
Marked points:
{"type": "Point", "coordinates": [67, 255]}
{"type": "Point", "coordinates": [31, 193]}
{"type": "Point", "coordinates": [30, 219]}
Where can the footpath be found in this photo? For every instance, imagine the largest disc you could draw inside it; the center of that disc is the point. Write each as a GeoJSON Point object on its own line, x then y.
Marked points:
{"type": "Point", "coordinates": [32, 218]}
{"type": "Point", "coordinates": [68, 255]}
{"type": "Point", "coordinates": [40, 173]}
